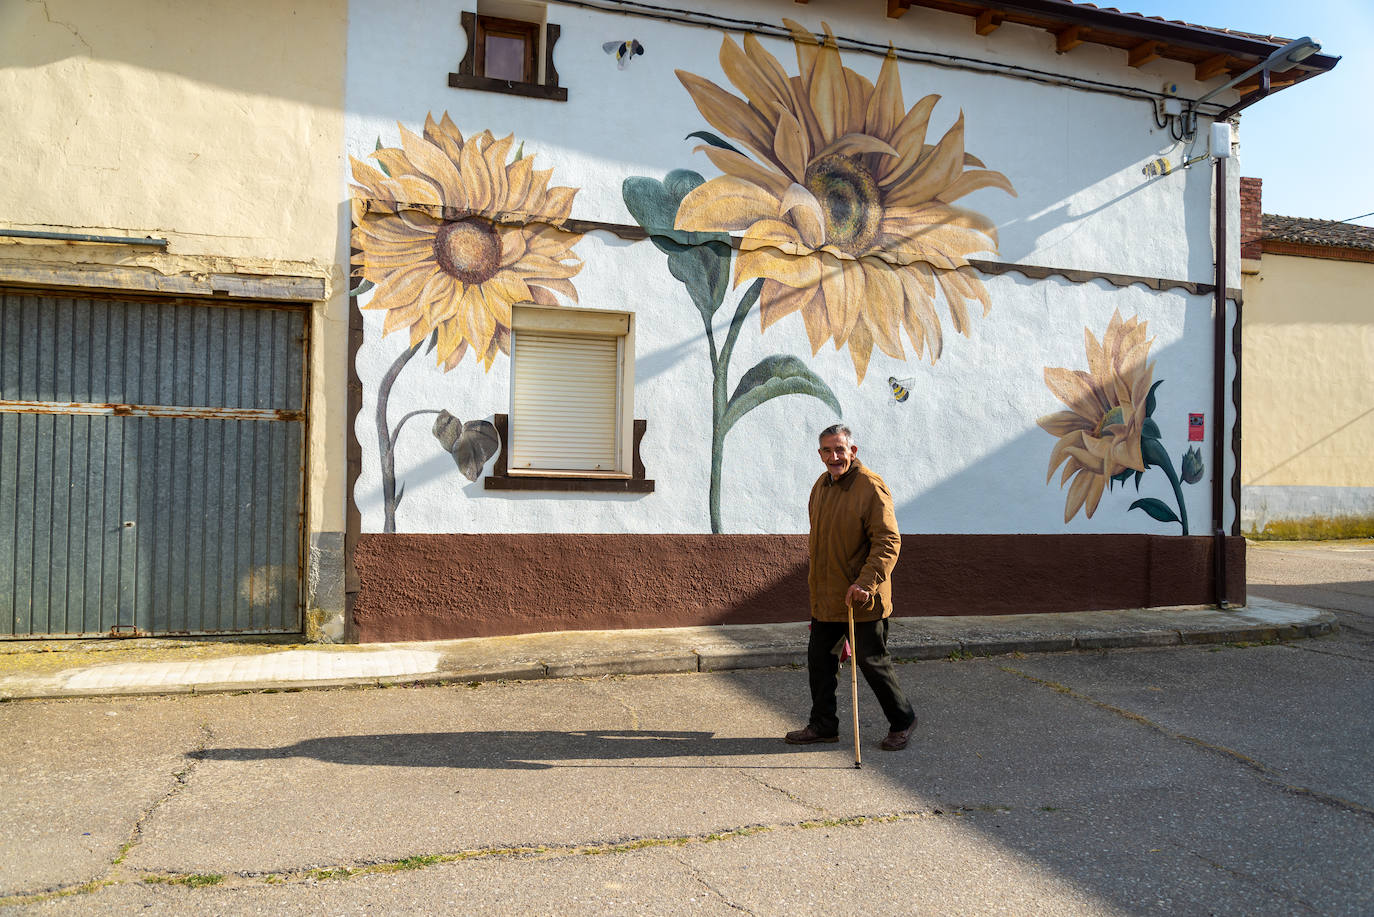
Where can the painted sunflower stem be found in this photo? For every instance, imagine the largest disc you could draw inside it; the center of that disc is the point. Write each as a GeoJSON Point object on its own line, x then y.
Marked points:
{"type": "Point", "coordinates": [720, 371]}
{"type": "Point", "coordinates": [385, 439]}
{"type": "Point", "coordinates": [1168, 467]}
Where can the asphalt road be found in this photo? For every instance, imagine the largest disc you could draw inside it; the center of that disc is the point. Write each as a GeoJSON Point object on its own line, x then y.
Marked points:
{"type": "Point", "coordinates": [1188, 780]}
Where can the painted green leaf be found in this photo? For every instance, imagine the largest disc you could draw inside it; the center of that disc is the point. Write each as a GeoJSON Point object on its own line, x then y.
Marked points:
{"type": "Point", "coordinates": [381, 165]}
{"type": "Point", "coordinates": [476, 445]}
{"type": "Point", "coordinates": [447, 429]}
{"type": "Point", "coordinates": [363, 286]}
{"type": "Point", "coordinates": [1138, 476]}
{"type": "Point", "coordinates": [773, 377]}
{"type": "Point", "coordinates": [1154, 453]}
{"type": "Point", "coordinates": [681, 182]}
{"type": "Point", "coordinates": [1150, 429]}
{"type": "Point", "coordinates": [654, 205]}
{"type": "Point", "coordinates": [471, 444]}
{"type": "Point", "coordinates": [1157, 509]}
{"type": "Point", "coordinates": [712, 139]}
{"type": "Point", "coordinates": [1150, 399]}
{"type": "Point", "coordinates": [699, 260]}
{"type": "Point", "coordinates": [433, 341]}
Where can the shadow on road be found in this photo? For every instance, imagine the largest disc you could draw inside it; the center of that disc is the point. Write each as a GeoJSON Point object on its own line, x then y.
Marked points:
{"type": "Point", "coordinates": [1356, 597]}
{"type": "Point", "coordinates": [533, 750]}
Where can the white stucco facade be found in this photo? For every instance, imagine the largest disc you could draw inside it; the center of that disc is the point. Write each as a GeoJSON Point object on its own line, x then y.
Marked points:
{"type": "Point", "coordinates": [964, 453]}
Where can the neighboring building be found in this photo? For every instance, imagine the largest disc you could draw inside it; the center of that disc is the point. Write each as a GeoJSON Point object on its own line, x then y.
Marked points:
{"type": "Point", "coordinates": [173, 318]}
{"type": "Point", "coordinates": [969, 233]}
{"type": "Point", "coordinates": [1308, 364]}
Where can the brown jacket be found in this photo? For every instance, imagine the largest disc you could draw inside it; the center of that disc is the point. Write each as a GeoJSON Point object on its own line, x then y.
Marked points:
{"type": "Point", "coordinates": [854, 539]}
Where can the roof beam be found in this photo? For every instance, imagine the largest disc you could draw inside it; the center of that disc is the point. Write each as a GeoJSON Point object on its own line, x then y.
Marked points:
{"type": "Point", "coordinates": [1215, 65]}
{"type": "Point", "coordinates": [1067, 39]}
{"type": "Point", "coordinates": [988, 21]}
{"type": "Point", "coordinates": [1143, 53]}
{"type": "Point", "coordinates": [1111, 20]}
{"type": "Point", "coordinates": [895, 8]}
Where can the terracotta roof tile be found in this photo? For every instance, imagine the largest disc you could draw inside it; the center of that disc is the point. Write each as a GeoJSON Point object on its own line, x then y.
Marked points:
{"type": "Point", "coordinates": [1317, 232]}
{"type": "Point", "coordinates": [1274, 39]}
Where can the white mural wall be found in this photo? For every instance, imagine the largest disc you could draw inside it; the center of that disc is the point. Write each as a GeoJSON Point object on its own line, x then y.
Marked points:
{"type": "Point", "coordinates": [968, 448]}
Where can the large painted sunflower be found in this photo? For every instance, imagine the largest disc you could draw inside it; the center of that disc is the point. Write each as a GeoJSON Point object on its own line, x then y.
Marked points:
{"type": "Point", "coordinates": [459, 276]}
{"type": "Point", "coordinates": [1099, 436]}
{"type": "Point", "coordinates": [844, 208]}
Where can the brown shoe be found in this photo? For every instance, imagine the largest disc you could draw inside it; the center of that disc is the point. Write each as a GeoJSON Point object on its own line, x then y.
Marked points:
{"type": "Point", "coordinates": [897, 739]}
{"type": "Point", "coordinates": [807, 736]}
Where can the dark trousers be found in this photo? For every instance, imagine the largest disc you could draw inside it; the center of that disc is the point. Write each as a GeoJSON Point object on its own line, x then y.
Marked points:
{"type": "Point", "coordinates": [823, 666]}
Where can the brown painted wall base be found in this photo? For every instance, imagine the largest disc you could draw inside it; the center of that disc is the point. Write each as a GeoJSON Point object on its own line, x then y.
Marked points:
{"type": "Point", "coordinates": [431, 587]}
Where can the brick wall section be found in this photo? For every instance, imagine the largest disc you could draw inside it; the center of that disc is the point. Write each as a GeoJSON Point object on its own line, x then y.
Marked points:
{"type": "Point", "coordinates": [1250, 221]}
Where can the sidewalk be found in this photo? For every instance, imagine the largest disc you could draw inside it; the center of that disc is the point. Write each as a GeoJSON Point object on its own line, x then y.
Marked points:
{"type": "Point", "coordinates": [83, 668]}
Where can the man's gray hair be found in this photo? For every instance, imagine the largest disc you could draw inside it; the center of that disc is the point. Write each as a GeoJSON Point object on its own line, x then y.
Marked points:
{"type": "Point", "coordinates": [838, 429]}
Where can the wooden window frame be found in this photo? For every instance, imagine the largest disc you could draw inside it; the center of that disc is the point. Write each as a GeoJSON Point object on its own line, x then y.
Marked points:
{"type": "Point", "coordinates": [470, 75]}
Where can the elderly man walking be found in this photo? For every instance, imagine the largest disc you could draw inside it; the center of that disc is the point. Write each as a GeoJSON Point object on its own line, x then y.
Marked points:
{"type": "Point", "coordinates": [853, 548]}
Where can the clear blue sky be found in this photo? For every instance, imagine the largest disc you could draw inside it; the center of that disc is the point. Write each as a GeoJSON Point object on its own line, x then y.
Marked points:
{"type": "Point", "coordinates": [1311, 143]}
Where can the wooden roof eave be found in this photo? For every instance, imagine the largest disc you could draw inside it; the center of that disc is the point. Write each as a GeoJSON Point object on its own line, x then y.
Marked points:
{"type": "Point", "coordinates": [1214, 53]}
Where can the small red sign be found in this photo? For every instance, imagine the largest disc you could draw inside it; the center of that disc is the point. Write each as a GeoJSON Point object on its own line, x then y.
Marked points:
{"type": "Point", "coordinates": [1195, 428]}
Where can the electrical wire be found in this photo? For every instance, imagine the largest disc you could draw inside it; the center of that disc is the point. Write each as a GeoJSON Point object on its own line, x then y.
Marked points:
{"type": "Point", "coordinates": [934, 58]}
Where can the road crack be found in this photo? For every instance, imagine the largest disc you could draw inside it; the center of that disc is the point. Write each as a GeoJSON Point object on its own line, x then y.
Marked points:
{"type": "Point", "coordinates": [1255, 880]}
{"type": "Point", "coordinates": [700, 879]}
{"type": "Point", "coordinates": [625, 705]}
{"type": "Point", "coordinates": [117, 873]}
{"type": "Point", "coordinates": [182, 779]}
{"type": "Point", "coordinates": [1320, 652]}
{"type": "Point", "coordinates": [788, 794]}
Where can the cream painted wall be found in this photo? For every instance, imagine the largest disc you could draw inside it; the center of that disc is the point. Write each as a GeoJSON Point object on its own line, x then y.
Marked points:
{"type": "Point", "coordinates": [216, 124]}
{"type": "Point", "coordinates": [1308, 355]}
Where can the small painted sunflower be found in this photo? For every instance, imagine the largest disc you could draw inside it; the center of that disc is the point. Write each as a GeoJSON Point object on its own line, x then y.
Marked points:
{"type": "Point", "coordinates": [844, 208]}
{"type": "Point", "coordinates": [460, 277]}
{"type": "Point", "coordinates": [1099, 436]}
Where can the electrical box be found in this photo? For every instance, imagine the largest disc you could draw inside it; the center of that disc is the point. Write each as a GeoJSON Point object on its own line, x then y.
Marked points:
{"type": "Point", "coordinates": [1221, 140]}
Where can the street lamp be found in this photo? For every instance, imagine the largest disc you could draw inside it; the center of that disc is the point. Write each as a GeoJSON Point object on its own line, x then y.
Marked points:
{"type": "Point", "coordinates": [1282, 60]}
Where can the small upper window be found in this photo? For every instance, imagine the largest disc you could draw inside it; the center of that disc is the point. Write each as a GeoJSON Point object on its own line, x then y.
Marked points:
{"type": "Point", "coordinates": [509, 49]}
{"type": "Point", "coordinates": [506, 49]}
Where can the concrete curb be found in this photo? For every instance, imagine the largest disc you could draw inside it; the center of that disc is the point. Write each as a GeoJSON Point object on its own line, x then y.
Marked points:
{"type": "Point", "coordinates": [668, 652]}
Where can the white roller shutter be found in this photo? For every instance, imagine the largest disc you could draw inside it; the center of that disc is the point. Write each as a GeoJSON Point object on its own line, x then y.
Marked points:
{"type": "Point", "coordinates": [565, 405]}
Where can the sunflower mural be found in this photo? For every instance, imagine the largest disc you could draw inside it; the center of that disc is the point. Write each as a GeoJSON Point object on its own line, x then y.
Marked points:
{"type": "Point", "coordinates": [1108, 435]}
{"type": "Point", "coordinates": [842, 212]}
{"type": "Point", "coordinates": [845, 210]}
{"type": "Point", "coordinates": [448, 234]}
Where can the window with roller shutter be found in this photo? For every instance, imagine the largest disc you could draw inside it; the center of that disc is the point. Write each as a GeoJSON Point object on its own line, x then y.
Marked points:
{"type": "Point", "coordinates": [572, 382]}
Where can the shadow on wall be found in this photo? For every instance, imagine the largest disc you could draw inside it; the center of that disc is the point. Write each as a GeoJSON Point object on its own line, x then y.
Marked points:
{"type": "Point", "coordinates": [1055, 223]}
{"type": "Point", "coordinates": [203, 42]}
{"type": "Point", "coordinates": [1014, 473]}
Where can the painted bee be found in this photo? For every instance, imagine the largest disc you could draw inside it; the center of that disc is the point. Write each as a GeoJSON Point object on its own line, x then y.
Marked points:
{"type": "Point", "coordinates": [900, 392]}
{"type": "Point", "coordinates": [624, 51]}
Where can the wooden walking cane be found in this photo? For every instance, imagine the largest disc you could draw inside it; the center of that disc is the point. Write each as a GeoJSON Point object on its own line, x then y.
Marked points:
{"type": "Point", "coordinates": [853, 678]}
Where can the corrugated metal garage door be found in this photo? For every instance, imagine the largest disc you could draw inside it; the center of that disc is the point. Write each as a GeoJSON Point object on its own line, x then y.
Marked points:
{"type": "Point", "coordinates": [151, 466]}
